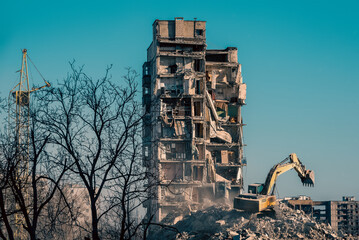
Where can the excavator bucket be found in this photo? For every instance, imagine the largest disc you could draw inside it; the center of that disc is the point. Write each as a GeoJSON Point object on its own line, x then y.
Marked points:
{"type": "Point", "coordinates": [308, 180]}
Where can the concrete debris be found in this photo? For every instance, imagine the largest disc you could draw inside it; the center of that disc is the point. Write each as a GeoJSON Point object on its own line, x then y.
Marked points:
{"type": "Point", "coordinates": [224, 222]}
{"type": "Point", "coordinates": [221, 222]}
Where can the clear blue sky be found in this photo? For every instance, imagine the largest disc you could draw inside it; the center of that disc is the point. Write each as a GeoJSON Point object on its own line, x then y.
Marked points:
{"type": "Point", "coordinates": [299, 60]}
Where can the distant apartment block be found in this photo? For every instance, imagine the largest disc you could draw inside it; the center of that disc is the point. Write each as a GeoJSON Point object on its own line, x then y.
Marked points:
{"type": "Point", "coordinates": [192, 131]}
{"type": "Point", "coordinates": [341, 215]}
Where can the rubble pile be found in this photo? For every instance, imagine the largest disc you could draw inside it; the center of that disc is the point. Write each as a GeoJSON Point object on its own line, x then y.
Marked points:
{"type": "Point", "coordinates": [223, 222]}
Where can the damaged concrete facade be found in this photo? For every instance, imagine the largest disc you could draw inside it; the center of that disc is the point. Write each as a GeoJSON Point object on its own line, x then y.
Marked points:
{"type": "Point", "coordinates": [192, 131]}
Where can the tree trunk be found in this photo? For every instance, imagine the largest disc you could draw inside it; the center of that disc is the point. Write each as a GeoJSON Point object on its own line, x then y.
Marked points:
{"type": "Point", "coordinates": [95, 234]}
{"type": "Point", "coordinates": [5, 219]}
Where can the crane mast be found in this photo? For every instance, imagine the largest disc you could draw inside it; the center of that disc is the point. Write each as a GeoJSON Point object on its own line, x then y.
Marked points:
{"type": "Point", "coordinates": [19, 115]}
{"type": "Point", "coordinates": [19, 132]}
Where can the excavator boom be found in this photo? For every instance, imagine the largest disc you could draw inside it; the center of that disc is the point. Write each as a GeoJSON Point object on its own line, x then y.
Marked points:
{"type": "Point", "coordinates": [306, 176]}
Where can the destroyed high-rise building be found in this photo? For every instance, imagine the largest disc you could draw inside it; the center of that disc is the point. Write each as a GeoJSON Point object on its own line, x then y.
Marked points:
{"type": "Point", "coordinates": [192, 133]}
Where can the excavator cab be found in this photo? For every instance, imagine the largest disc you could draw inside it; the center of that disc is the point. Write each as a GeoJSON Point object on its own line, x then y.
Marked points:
{"type": "Point", "coordinates": [255, 188]}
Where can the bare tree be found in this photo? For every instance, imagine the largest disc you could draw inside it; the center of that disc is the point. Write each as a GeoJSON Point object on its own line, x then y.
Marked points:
{"type": "Point", "coordinates": [131, 189]}
{"type": "Point", "coordinates": [85, 167]}
{"type": "Point", "coordinates": [6, 168]}
{"type": "Point", "coordinates": [97, 122]}
{"type": "Point", "coordinates": [29, 182]}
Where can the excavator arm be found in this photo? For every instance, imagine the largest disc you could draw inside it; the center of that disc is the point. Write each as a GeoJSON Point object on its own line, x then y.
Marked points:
{"type": "Point", "coordinates": [259, 196]}
{"type": "Point", "coordinates": [306, 176]}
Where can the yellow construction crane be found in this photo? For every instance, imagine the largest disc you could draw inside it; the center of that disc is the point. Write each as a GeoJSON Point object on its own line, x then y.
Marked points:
{"type": "Point", "coordinates": [19, 127]}
{"type": "Point", "coordinates": [260, 196]}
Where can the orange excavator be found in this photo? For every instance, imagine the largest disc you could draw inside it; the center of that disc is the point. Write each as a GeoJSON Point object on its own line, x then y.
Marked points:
{"type": "Point", "coordinates": [260, 197]}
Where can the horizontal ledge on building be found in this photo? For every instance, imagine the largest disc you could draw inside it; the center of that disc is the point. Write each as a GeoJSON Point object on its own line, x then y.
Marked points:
{"type": "Point", "coordinates": [229, 165]}
{"type": "Point", "coordinates": [223, 64]}
{"type": "Point", "coordinates": [163, 203]}
{"type": "Point", "coordinates": [180, 74]}
{"type": "Point", "coordinates": [174, 139]}
{"type": "Point", "coordinates": [223, 145]}
{"type": "Point", "coordinates": [187, 41]}
{"type": "Point", "coordinates": [179, 118]}
{"type": "Point", "coordinates": [183, 161]}
{"type": "Point", "coordinates": [169, 182]}
{"type": "Point", "coordinates": [217, 52]}
{"type": "Point", "coordinates": [194, 55]}
{"type": "Point", "coordinates": [197, 96]}
{"type": "Point", "coordinates": [232, 124]}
